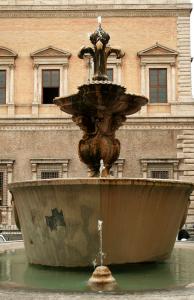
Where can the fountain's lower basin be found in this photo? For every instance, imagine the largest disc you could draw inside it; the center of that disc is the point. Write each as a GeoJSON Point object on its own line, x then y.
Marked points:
{"type": "Point", "coordinates": [21, 279]}
{"type": "Point", "coordinates": [59, 219]}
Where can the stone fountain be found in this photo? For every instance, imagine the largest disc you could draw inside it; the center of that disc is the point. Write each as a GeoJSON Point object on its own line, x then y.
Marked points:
{"type": "Point", "coordinates": [58, 217]}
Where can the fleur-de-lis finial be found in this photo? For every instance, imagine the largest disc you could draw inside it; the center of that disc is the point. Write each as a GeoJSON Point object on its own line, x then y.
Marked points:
{"type": "Point", "coordinates": [100, 52]}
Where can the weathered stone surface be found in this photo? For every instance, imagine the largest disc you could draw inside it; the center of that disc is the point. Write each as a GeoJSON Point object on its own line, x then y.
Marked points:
{"type": "Point", "coordinates": [147, 212]}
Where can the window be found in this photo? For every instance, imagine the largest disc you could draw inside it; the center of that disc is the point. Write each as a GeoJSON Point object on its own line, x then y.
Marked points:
{"type": "Point", "coordinates": [3, 185]}
{"type": "Point", "coordinates": [49, 174]}
{"type": "Point", "coordinates": [160, 174]}
{"type": "Point", "coordinates": [110, 74]}
{"type": "Point", "coordinates": [50, 85]}
{"type": "Point", "coordinates": [117, 168]}
{"type": "Point", "coordinates": [47, 171]}
{"type": "Point", "coordinates": [160, 171]}
{"type": "Point", "coordinates": [158, 74]}
{"type": "Point", "coordinates": [1, 188]}
{"type": "Point", "coordinates": [7, 69]}
{"type": "Point", "coordinates": [2, 86]}
{"type": "Point", "coordinates": [50, 75]}
{"type": "Point", "coordinates": [158, 85]}
{"type": "Point", "coordinates": [46, 168]}
{"type": "Point", "coordinates": [6, 174]}
{"type": "Point", "coordinates": [162, 168]}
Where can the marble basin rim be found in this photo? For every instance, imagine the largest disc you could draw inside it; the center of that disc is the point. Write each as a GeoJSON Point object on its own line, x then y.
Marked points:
{"type": "Point", "coordinates": [141, 218]}
{"type": "Point", "coordinates": [100, 180]}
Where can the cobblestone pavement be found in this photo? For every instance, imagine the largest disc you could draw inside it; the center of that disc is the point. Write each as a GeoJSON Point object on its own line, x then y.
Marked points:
{"type": "Point", "coordinates": [12, 245]}
{"type": "Point", "coordinates": [185, 294]}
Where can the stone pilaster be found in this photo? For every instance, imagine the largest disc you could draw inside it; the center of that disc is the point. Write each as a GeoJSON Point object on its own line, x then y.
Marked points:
{"type": "Point", "coordinates": [184, 59]}
{"type": "Point", "coordinates": [185, 152]}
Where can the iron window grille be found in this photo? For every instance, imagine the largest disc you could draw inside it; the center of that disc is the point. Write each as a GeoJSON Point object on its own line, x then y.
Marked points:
{"type": "Point", "coordinates": [49, 174]}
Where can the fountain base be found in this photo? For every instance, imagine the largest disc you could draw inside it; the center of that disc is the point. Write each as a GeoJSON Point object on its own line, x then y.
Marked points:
{"type": "Point", "coordinates": [58, 219]}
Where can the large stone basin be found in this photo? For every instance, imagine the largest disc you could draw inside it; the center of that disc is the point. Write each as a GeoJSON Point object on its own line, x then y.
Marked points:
{"type": "Point", "coordinates": [59, 219]}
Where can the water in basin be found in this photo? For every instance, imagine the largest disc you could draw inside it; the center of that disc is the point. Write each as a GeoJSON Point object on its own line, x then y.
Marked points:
{"type": "Point", "coordinates": [178, 271]}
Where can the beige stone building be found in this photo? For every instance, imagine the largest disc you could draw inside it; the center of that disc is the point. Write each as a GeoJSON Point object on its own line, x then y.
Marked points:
{"type": "Point", "coordinates": [39, 42]}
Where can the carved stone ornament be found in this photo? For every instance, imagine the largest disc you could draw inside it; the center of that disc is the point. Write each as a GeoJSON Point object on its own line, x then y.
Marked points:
{"type": "Point", "coordinates": [100, 53]}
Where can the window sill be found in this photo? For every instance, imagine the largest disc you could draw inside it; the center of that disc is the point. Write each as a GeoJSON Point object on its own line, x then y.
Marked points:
{"type": "Point", "coordinates": [52, 105]}
{"type": "Point", "coordinates": [159, 108]}
{"type": "Point", "coordinates": [157, 104]}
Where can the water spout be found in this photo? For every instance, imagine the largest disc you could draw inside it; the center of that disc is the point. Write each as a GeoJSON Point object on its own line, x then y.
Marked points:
{"type": "Point", "coordinates": [101, 279]}
{"type": "Point", "coordinates": [101, 254]}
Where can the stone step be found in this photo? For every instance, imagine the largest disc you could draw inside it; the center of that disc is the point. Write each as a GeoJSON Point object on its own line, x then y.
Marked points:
{"type": "Point", "coordinates": [185, 137]}
{"type": "Point", "coordinates": [187, 178]}
{"type": "Point", "coordinates": [181, 146]}
{"type": "Point", "coordinates": [188, 173]}
{"type": "Point", "coordinates": [186, 167]}
{"type": "Point", "coordinates": [188, 142]}
{"type": "Point", "coordinates": [185, 146]}
{"type": "Point", "coordinates": [191, 206]}
{"type": "Point", "coordinates": [188, 131]}
{"type": "Point", "coordinates": [185, 155]}
{"type": "Point", "coordinates": [188, 145]}
{"type": "Point", "coordinates": [188, 150]}
{"type": "Point", "coordinates": [188, 161]}
{"type": "Point", "coordinates": [190, 219]}
{"type": "Point", "coordinates": [191, 212]}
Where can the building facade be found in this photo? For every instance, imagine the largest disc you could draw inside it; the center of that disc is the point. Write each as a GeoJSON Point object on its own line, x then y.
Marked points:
{"type": "Point", "coordinates": [39, 42]}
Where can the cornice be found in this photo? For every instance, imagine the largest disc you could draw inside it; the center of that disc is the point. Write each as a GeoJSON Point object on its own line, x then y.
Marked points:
{"type": "Point", "coordinates": [92, 11]}
{"type": "Point", "coordinates": [132, 123]}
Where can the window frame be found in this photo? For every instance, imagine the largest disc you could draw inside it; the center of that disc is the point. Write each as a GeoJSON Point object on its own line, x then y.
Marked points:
{"type": "Point", "coordinates": [169, 91]}
{"type": "Point", "coordinates": [49, 165]}
{"type": "Point", "coordinates": [49, 58]}
{"type": "Point", "coordinates": [6, 166]}
{"type": "Point", "coordinates": [50, 171]}
{"type": "Point", "coordinates": [118, 168]}
{"type": "Point", "coordinates": [158, 56]}
{"type": "Point", "coordinates": [110, 68]}
{"type": "Point", "coordinates": [40, 82]}
{"type": "Point", "coordinates": [7, 63]}
{"type": "Point", "coordinates": [3, 170]}
{"type": "Point", "coordinates": [160, 164]}
{"type": "Point", "coordinates": [50, 168]}
{"type": "Point", "coordinates": [9, 84]}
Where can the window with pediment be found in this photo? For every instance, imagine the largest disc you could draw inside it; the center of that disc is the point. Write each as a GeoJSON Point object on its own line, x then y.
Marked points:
{"type": "Point", "coordinates": [50, 74]}
{"type": "Point", "coordinates": [7, 65]}
{"type": "Point", "coordinates": [158, 74]}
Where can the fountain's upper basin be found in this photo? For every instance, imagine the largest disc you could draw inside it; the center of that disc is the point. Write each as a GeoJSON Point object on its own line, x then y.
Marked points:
{"type": "Point", "coordinates": [59, 219]}
{"type": "Point", "coordinates": [101, 96]}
